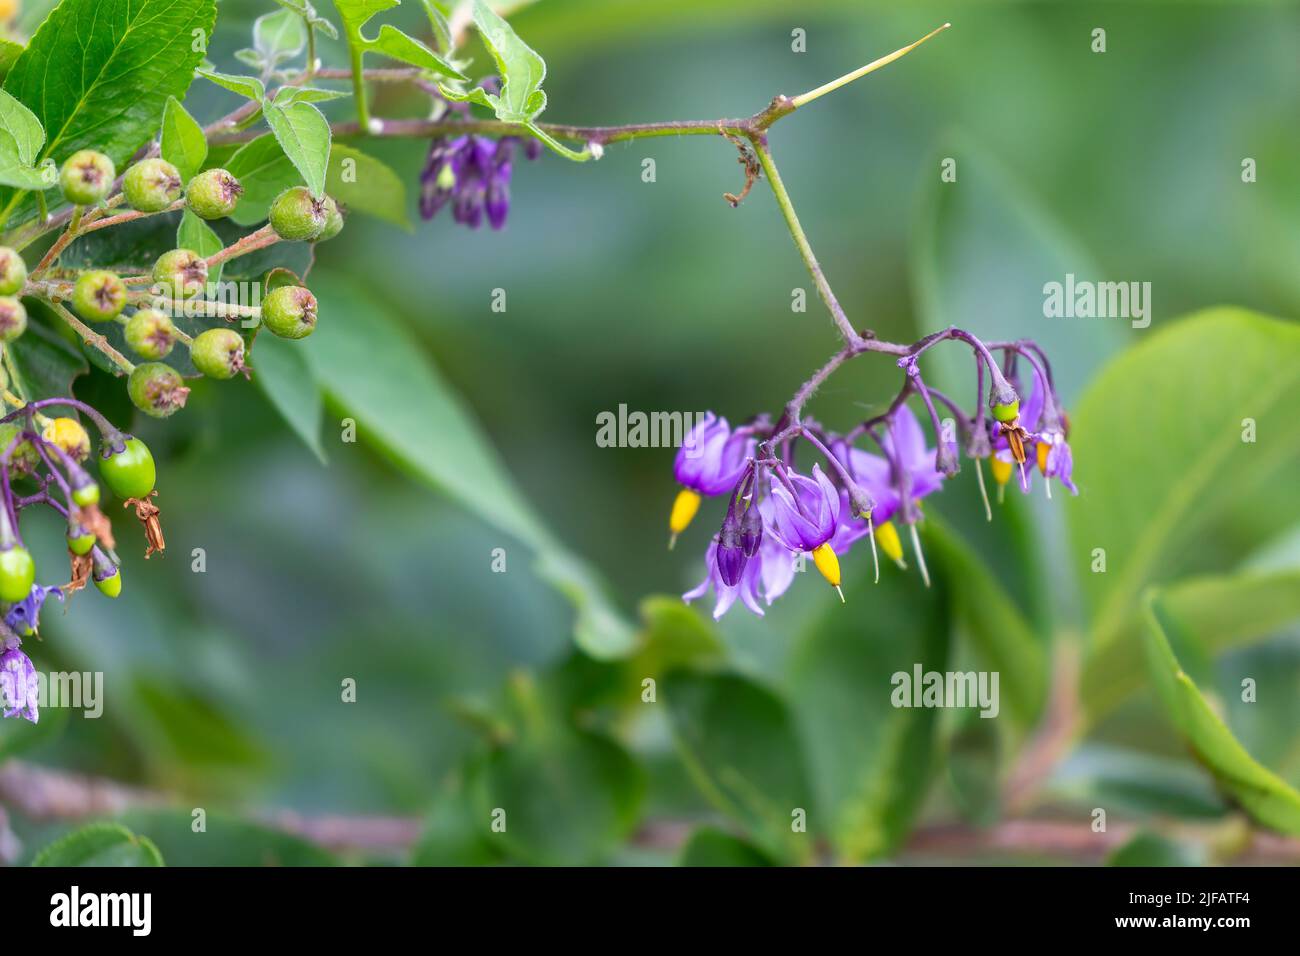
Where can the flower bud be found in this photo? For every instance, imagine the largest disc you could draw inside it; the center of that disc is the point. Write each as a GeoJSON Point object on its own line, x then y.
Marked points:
{"type": "Point", "coordinates": [151, 334]}
{"type": "Point", "coordinates": [86, 177]}
{"type": "Point", "coordinates": [19, 685]}
{"type": "Point", "coordinates": [751, 531]}
{"type": "Point", "coordinates": [731, 555]}
{"type": "Point", "coordinates": [213, 193]}
{"type": "Point", "coordinates": [13, 271]}
{"type": "Point", "coordinates": [218, 353]}
{"type": "Point", "coordinates": [13, 318]}
{"type": "Point", "coordinates": [99, 295]}
{"type": "Point", "coordinates": [289, 312]}
{"type": "Point", "coordinates": [151, 185]}
{"type": "Point", "coordinates": [157, 389]}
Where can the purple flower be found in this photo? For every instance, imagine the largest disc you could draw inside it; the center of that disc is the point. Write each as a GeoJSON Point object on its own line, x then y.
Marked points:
{"type": "Point", "coordinates": [712, 457]}
{"type": "Point", "coordinates": [19, 685]}
{"type": "Point", "coordinates": [473, 174]}
{"type": "Point", "coordinates": [765, 576]}
{"type": "Point", "coordinates": [807, 510]}
{"type": "Point", "coordinates": [25, 616]}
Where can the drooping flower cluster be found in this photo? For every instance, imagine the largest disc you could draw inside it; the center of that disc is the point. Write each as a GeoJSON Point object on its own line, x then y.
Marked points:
{"type": "Point", "coordinates": [42, 463]}
{"type": "Point", "coordinates": [471, 172]}
{"type": "Point", "coordinates": [784, 508]}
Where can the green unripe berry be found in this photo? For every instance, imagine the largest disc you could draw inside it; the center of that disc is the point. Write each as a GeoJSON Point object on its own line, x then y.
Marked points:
{"type": "Point", "coordinates": [110, 585]}
{"type": "Point", "coordinates": [99, 295]}
{"type": "Point", "coordinates": [13, 318]}
{"type": "Point", "coordinates": [333, 220]}
{"type": "Point", "coordinates": [80, 541]}
{"type": "Point", "coordinates": [181, 273]}
{"type": "Point", "coordinates": [213, 193]}
{"type": "Point", "coordinates": [157, 389]}
{"type": "Point", "coordinates": [17, 572]}
{"type": "Point", "coordinates": [218, 353]}
{"type": "Point", "coordinates": [290, 312]}
{"type": "Point", "coordinates": [151, 334]}
{"type": "Point", "coordinates": [130, 473]}
{"type": "Point", "coordinates": [24, 458]}
{"type": "Point", "coordinates": [295, 214]}
{"type": "Point", "coordinates": [13, 271]}
{"type": "Point", "coordinates": [1007, 412]}
{"type": "Point", "coordinates": [86, 495]}
{"type": "Point", "coordinates": [151, 185]}
{"type": "Point", "coordinates": [86, 177]}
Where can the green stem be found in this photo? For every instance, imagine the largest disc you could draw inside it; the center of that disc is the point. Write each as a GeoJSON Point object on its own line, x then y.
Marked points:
{"type": "Point", "coordinates": [358, 82]}
{"type": "Point", "coordinates": [93, 338]}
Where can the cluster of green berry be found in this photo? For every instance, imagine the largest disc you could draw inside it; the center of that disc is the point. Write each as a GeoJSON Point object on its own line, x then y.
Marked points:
{"type": "Point", "coordinates": [181, 275]}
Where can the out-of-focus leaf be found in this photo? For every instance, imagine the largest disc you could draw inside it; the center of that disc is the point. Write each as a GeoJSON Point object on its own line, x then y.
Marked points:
{"type": "Point", "coordinates": [367, 185]}
{"type": "Point", "coordinates": [742, 749]}
{"type": "Point", "coordinates": [709, 846]}
{"type": "Point", "coordinates": [44, 363]}
{"type": "Point", "coordinates": [1134, 783]}
{"type": "Point", "coordinates": [401, 405]}
{"type": "Point", "coordinates": [100, 844]}
{"type": "Point", "coordinates": [282, 372]}
{"type": "Point", "coordinates": [194, 729]}
{"type": "Point", "coordinates": [1221, 612]}
{"type": "Point", "coordinates": [224, 841]}
{"type": "Point", "coordinates": [1262, 793]}
{"type": "Point", "coordinates": [871, 761]}
{"type": "Point", "coordinates": [1149, 492]}
{"type": "Point", "coordinates": [183, 143]}
{"type": "Point", "coordinates": [279, 36]}
{"type": "Point", "coordinates": [998, 631]}
{"type": "Point", "coordinates": [452, 836]}
{"type": "Point", "coordinates": [973, 764]}
{"type": "Point", "coordinates": [197, 236]}
{"type": "Point", "coordinates": [1151, 849]}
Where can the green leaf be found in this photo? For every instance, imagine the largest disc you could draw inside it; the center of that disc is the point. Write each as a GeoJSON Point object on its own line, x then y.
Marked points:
{"type": "Point", "coordinates": [279, 36]}
{"type": "Point", "coordinates": [197, 236]}
{"type": "Point", "coordinates": [1213, 609]}
{"type": "Point", "coordinates": [224, 841]}
{"type": "Point", "coordinates": [280, 369]}
{"type": "Point", "coordinates": [439, 24]}
{"type": "Point", "coordinates": [41, 363]}
{"type": "Point", "coordinates": [116, 63]}
{"type": "Point", "coordinates": [100, 844]}
{"type": "Point", "coordinates": [1159, 452]}
{"type": "Point", "coordinates": [1263, 794]}
{"type": "Point", "coordinates": [303, 133]}
{"type": "Point", "coordinates": [307, 94]}
{"type": "Point", "coordinates": [355, 13]}
{"type": "Point", "coordinates": [392, 42]}
{"type": "Point", "coordinates": [367, 185]}
{"type": "Point", "coordinates": [9, 53]}
{"type": "Point", "coordinates": [569, 797]}
{"type": "Point", "coordinates": [29, 178]}
{"type": "Point", "coordinates": [996, 628]}
{"type": "Point", "coordinates": [1151, 849]}
{"type": "Point", "coordinates": [871, 761]}
{"type": "Point", "coordinates": [308, 13]}
{"type": "Point", "coordinates": [183, 142]}
{"type": "Point", "coordinates": [402, 405]}
{"type": "Point", "coordinates": [264, 171]}
{"type": "Point", "coordinates": [739, 743]}
{"type": "Point", "coordinates": [21, 134]}
{"type": "Point", "coordinates": [522, 70]}
{"type": "Point", "coordinates": [709, 846]}
{"type": "Point", "coordinates": [247, 86]}
{"type": "Point", "coordinates": [974, 767]}
{"type": "Point", "coordinates": [452, 835]}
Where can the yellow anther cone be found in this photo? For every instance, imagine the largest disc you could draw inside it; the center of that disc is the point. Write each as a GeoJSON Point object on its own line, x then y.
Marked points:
{"type": "Point", "coordinates": [887, 538]}
{"type": "Point", "coordinates": [828, 564]}
{"type": "Point", "coordinates": [1042, 448]}
{"type": "Point", "coordinates": [685, 506]}
{"type": "Point", "coordinates": [1001, 469]}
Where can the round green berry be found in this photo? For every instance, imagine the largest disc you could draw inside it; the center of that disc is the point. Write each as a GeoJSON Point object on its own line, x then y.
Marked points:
{"type": "Point", "coordinates": [130, 473]}
{"type": "Point", "coordinates": [110, 585]}
{"type": "Point", "coordinates": [290, 312]}
{"type": "Point", "coordinates": [213, 193]}
{"type": "Point", "coordinates": [218, 353]}
{"type": "Point", "coordinates": [151, 334]}
{"type": "Point", "coordinates": [17, 572]}
{"type": "Point", "coordinates": [13, 271]}
{"type": "Point", "coordinates": [151, 185]}
{"type": "Point", "coordinates": [157, 389]}
{"type": "Point", "coordinates": [80, 541]}
{"type": "Point", "coordinates": [295, 214]}
{"type": "Point", "coordinates": [24, 458]}
{"type": "Point", "coordinates": [181, 273]}
{"type": "Point", "coordinates": [333, 220]}
{"type": "Point", "coordinates": [1007, 412]}
{"type": "Point", "coordinates": [99, 295]}
{"type": "Point", "coordinates": [13, 318]}
{"type": "Point", "coordinates": [86, 495]}
{"type": "Point", "coordinates": [86, 177]}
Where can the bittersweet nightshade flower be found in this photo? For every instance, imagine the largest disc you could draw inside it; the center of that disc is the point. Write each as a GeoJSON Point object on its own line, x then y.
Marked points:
{"type": "Point", "coordinates": [473, 174]}
{"type": "Point", "coordinates": [766, 575]}
{"type": "Point", "coordinates": [24, 616]}
{"type": "Point", "coordinates": [19, 684]}
{"type": "Point", "coordinates": [710, 462]}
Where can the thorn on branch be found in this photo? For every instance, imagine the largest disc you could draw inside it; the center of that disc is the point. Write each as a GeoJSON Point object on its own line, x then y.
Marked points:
{"type": "Point", "coordinates": [748, 160]}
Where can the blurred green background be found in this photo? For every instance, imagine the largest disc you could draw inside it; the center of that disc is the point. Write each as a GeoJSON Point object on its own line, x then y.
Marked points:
{"type": "Point", "coordinates": [225, 686]}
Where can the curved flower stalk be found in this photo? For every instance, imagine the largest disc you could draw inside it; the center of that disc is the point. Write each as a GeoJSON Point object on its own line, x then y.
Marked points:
{"type": "Point", "coordinates": [799, 490]}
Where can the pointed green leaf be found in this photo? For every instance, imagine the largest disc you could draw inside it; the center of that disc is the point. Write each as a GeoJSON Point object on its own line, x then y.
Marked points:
{"type": "Point", "coordinates": [21, 135]}
{"type": "Point", "coordinates": [522, 70]}
{"type": "Point", "coordinates": [279, 36]}
{"type": "Point", "coordinates": [100, 844]}
{"type": "Point", "coordinates": [392, 42]}
{"type": "Point", "coordinates": [709, 846]}
{"type": "Point", "coordinates": [264, 171]}
{"type": "Point", "coordinates": [303, 133]}
{"type": "Point", "coordinates": [183, 142]}
{"type": "Point", "coordinates": [247, 86]}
